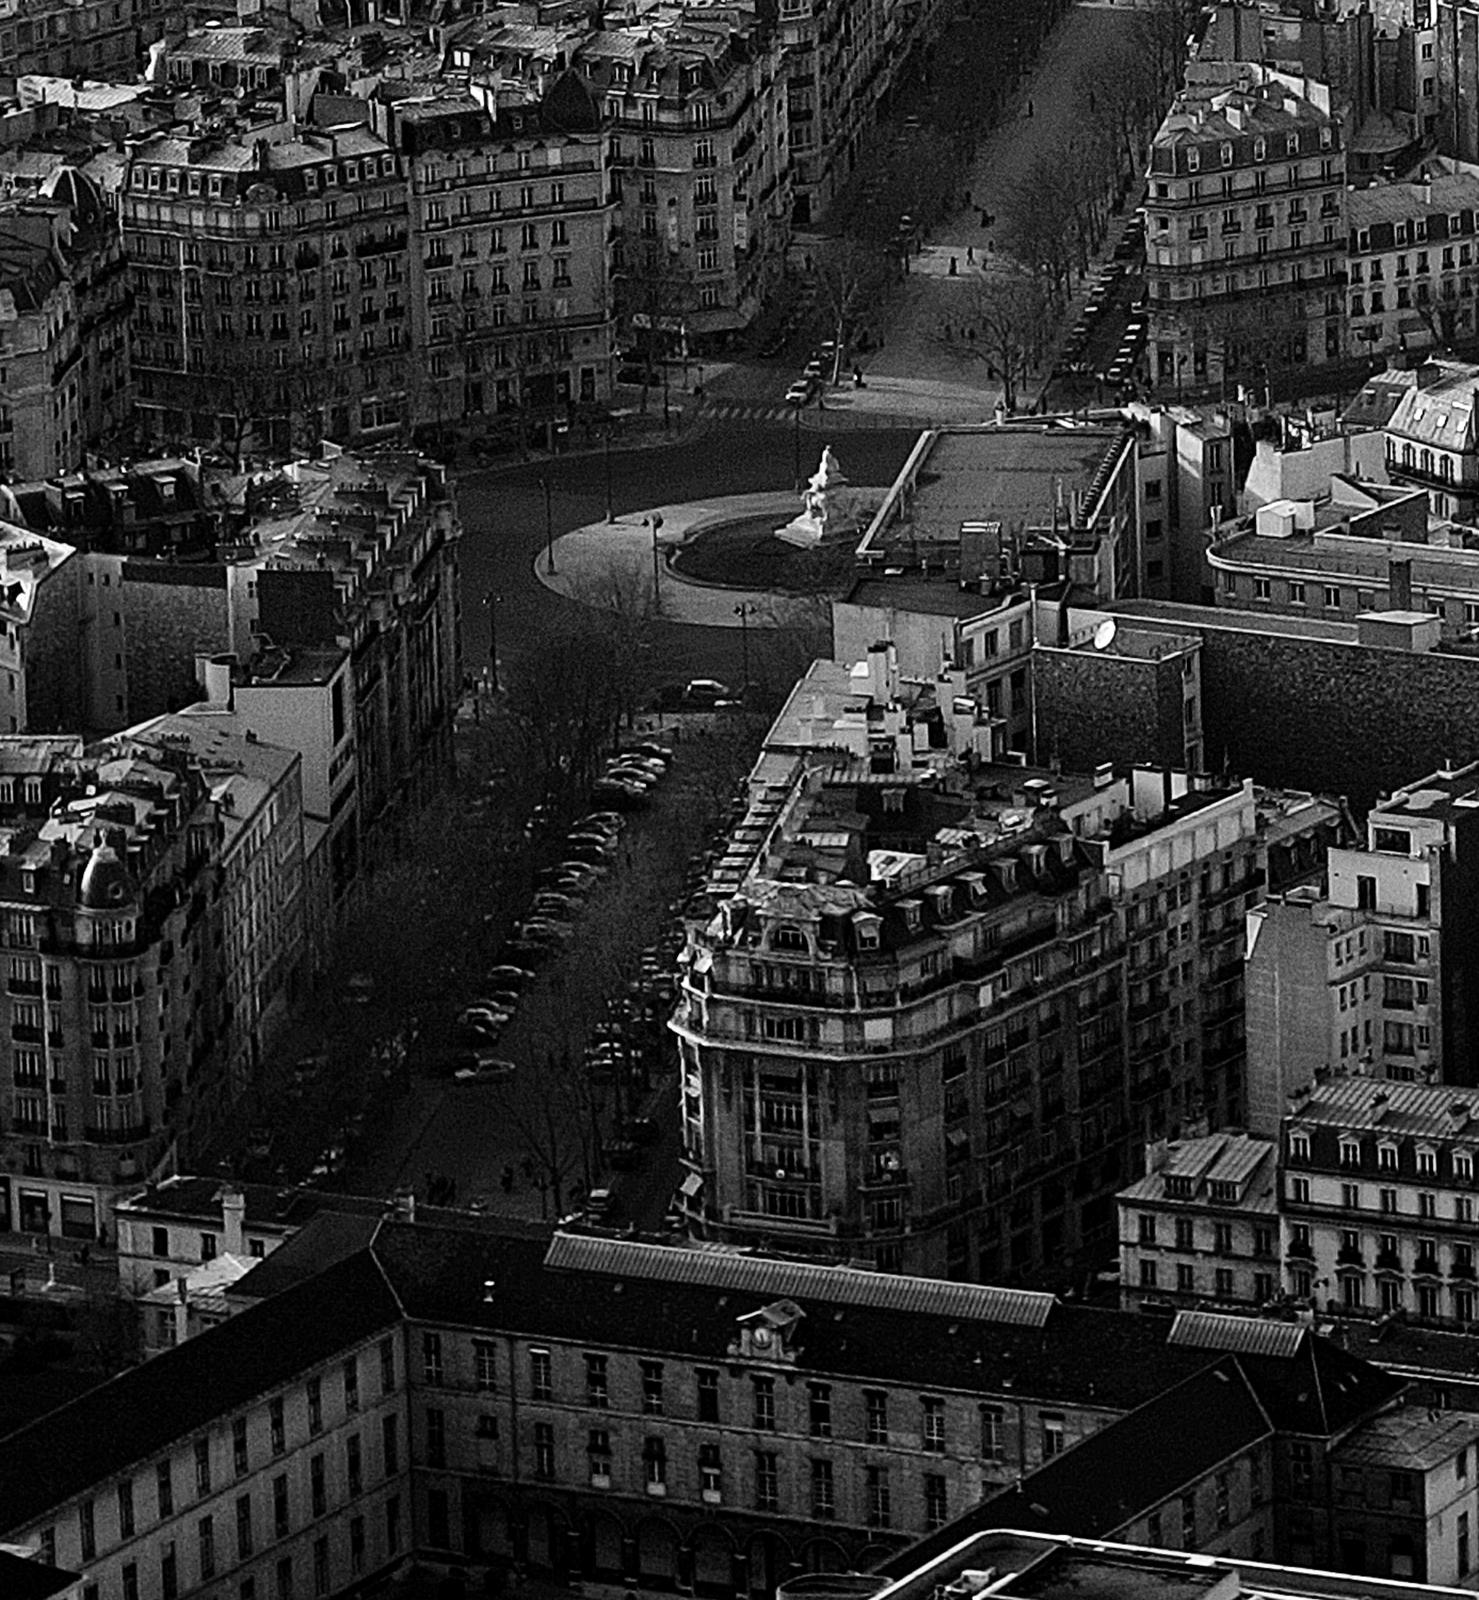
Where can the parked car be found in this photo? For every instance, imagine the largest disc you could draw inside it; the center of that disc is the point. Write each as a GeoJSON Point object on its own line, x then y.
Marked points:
{"type": "Point", "coordinates": [658, 752]}
{"type": "Point", "coordinates": [619, 792]}
{"type": "Point", "coordinates": [610, 821]}
{"type": "Point", "coordinates": [801, 391]}
{"type": "Point", "coordinates": [513, 977]}
{"type": "Point", "coordinates": [599, 1204]}
{"type": "Point", "coordinates": [483, 1069]}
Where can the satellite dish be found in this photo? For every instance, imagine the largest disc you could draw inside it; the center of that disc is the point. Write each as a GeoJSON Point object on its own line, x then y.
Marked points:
{"type": "Point", "coordinates": [1104, 634]}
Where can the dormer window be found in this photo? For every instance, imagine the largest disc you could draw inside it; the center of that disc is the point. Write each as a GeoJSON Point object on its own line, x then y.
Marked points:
{"type": "Point", "coordinates": [942, 901]}
{"type": "Point", "coordinates": [787, 936]}
{"type": "Point", "coordinates": [1386, 1156]}
{"type": "Point", "coordinates": [1463, 1166]}
{"type": "Point", "coordinates": [1260, 149]}
{"type": "Point", "coordinates": [1427, 1161]}
{"type": "Point", "coordinates": [1350, 1152]}
{"type": "Point", "coordinates": [1223, 1192]}
{"type": "Point", "coordinates": [1227, 154]}
{"type": "Point", "coordinates": [1299, 1147]}
{"type": "Point", "coordinates": [1179, 1188]}
{"type": "Point", "coordinates": [868, 929]}
{"type": "Point", "coordinates": [911, 910]}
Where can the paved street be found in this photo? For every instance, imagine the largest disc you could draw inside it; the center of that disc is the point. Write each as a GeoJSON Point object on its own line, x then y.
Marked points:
{"type": "Point", "coordinates": [914, 376]}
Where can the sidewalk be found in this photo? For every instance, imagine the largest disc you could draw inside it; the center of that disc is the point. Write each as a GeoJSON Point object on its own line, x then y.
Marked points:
{"type": "Point", "coordinates": [588, 557]}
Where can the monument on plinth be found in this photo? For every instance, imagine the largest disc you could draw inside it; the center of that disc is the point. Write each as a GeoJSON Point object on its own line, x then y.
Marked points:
{"type": "Point", "coordinates": [829, 506]}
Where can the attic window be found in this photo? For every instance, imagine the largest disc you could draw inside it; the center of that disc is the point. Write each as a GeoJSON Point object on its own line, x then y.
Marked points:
{"type": "Point", "coordinates": [1179, 1188]}
{"type": "Point", "coordinates": [911, 909]}
{"type": "Point", "coordinates": [787, 936]}
{"type": "Point", "coordinates": [867, 931]}
{"type": "Point", "coordinates": [1224, 1192]}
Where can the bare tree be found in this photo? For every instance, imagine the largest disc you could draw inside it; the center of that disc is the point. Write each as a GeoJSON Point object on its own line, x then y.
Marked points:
{"type": "Point", "coordinates": [655, 294]}
{"type": "Point", "coordinates": [1001, 324]}
{"type": "Point", "coordinates": [850, 276]}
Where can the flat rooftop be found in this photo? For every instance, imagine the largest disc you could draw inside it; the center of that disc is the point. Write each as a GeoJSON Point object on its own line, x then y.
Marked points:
{"type": "Point", "coordinates": [1441, 796]}
{"type": "Point", "coordinates": [1173, 613]}
{"type": "Point", "coordinates": [937, 597]}
{"type": "Point", "coordinates": [1014, 476]}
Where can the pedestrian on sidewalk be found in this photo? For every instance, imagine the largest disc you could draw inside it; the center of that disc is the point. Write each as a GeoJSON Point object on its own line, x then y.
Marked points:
{"type": "Point", "coordinates": [1029, 108]}
{"type": "Point", "coordinates": [970, 254]}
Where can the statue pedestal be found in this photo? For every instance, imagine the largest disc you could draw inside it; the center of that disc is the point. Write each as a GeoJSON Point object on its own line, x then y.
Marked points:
{"type": "Point", "coordinates": [804, 530]}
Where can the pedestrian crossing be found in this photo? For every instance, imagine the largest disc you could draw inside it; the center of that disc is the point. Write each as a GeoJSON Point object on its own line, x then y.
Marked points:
{"type": "Point", "coordinates": [749, 411]}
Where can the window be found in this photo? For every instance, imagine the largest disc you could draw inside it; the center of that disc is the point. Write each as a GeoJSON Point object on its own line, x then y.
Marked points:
{"type": "Point", "coordinates": [1296, 594]}
{"type": "Point", "coordinates": [1147, 1228]}
{"type": "Point", "coordinates": [1052, 1434]}
{"type": "Point", "coordinates": [598, 1456]}
{"type": "Point", "coordinates": [708, 1394]}
{"type": "Point", "coordinates": [285, 1578]}
{"type": "Point", "coordinates": [351, 1384]}
{"type": "Point", "coordinates": [932, 1423]}
{"type": "Point", "coordinates": [764, 1390]}
{"type": "Point", "coordinates": [767, 1483]}
{"type": "Point", "coordinates": [169, 1573]}
{"type": "Point", "coordinates": [436, 1436]}
{"type": "Point", "coordinates": [282, 1519]}
{"type": "Point", "coordinates": [819, 1404]}
{"type": "Point", "coordinates": [935, 1500]}
{"type": "Point", "coordinates": [276, 1427]}
{"type": "Point", "coordinates": [393, 1524]}
{"type": "Point", "coordinates": [1188, 1522]}
{"type": "Point", "coordinates": [321, 1564]}
{"type": "Point", "coordinates": [88, 1529]}
{"type": "Point", "coordinates": [353, 1464]}
{"type": "Point", "coordinates": [202, 1466]}
{"type": "Point", "coordinates": [877, 1509]}
{"type": "Point", "coordinates": [164, 1482]}
{"type": "Point", "coordinates": [597, 1395]}
{"type": "Point", "coordinates": [205, 1533]}
{"type": "Point", "coordinates": [875, 1416]}
{"type": "Point", "coordinates": [431, 1357]}
{"type": "Point", "coordinates": [993, 1446]}
{"type": "Point", "coordinates": [652, 1395]}
{"type": "Point", "coordinates": [243, 1527]}
{"type": "Point", "coordinates": [484, 1354]}
{"type": "Point", "coordinates": [315, 1405]}
{"type": "Point", "coordinates": [710, 1474]}
{"type": "Point", "coordinates": [390, 1445]}
{"type": "Point", "coordinates": [655, 1465]}
{"type": "Point", "coordinates": [541, 1385]}
{"type": "Point", "coordinates": [544, 1450]}
{"type": "Point", "coordinates": [239, 1461]}
{"type": "Point", "coordinates": [318, 1495]}
{"type": "Point", "coordinates": [387, 1365]}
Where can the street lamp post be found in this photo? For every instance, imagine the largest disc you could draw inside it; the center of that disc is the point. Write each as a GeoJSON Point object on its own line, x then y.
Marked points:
{"type": "Point", "coordinates": [610, 514]}
{"type": "Point", "coordinates": [655, 523]}
{"type": "Point", "coordinates": [549, 528]}
{"type": "Point", "coordinates": [491, 601]}
{"type": "Point", "coordinates": [744, 611]}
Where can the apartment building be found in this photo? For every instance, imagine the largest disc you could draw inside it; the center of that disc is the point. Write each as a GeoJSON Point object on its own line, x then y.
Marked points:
{"type": "Point", "coordinates": [1411, 265]}
{"type": "Point", "coordinates": [77, 38]}
{"type": "Point", "coordinates": [510, 217]}
{"type": "Point", "coordinates": [842, 63]}
{"type": "Point", "coordinates": [1377, 1200]}
{"type": "Point", "coordinates": [476, 1396]}
{"type": "Point", "coordinates": [41, 610]}
{"type": "Point", "coordinates": [271, 277]}
{"type": "Point", "coordinates": [1352, 552]}
{"type": "Point", "coordinates": [700, 168]}
{"type": "Point", "coordinates": [1284, 1448]}
{"type": "Point", "coordinates": [1202, 1226]}
{"type": "Point", "coordinates": [928, 1003]}
{"type": "Point", "coordinates": [272, 1453]}
{"type": "Point", "coordinates": [112, 1003]}
{"type": "Point", "coordinates": [1375, 975]}
{"type": "Point", "coordinates": [1432, 443]}
{"type": "Point", "coordinates": [1245, 230]}
{"type": "Point", "coordinates": [40, 408]}
{"type": "Point", "coordinates": [258, 793]}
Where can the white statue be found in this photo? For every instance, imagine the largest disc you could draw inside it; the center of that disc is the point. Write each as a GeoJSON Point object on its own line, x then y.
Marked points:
{"type": "Point", "coordinates": [827, 505]}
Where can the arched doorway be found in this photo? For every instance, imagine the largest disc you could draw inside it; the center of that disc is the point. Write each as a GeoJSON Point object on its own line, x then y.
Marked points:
{"type": "Point", "coordinates": [769, 1562]}
{"type": "Point", "coordinates": [604, 1538]}
{"type": "Point", "coordinates": [657, 1554]}
{"type": "Point", "coordinates": [713, 1562]}
{"type": "Point", "coordinates": [549, 1540]}
{"type": "Point", "coordinates": [824, 1555]}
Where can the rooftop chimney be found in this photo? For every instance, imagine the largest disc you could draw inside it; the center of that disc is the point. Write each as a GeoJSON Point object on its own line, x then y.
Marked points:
{"type": "Point", "coordinates": [233, 1220]}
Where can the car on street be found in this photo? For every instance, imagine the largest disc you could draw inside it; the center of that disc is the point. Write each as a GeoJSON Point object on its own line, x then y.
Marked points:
{"type": "Point", "coordinates": [658, 752]}
{"type": "Point", "coordinates": [599, 1204]}
{"type": "Point", "coordinates": [609, 821]}
{"type": "Point", "coordinates": [800, 392]}
{"type": "Point", "coordinates": [483, 1068]}
{"type": "Point", "coordinates": [619, 791]}
{"type": "Point", "coordinates": [556, 905]}
{"type": "Point", "coordinates": [509, 976]}
{"type": "Point", "coordinates": [705, 691]}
